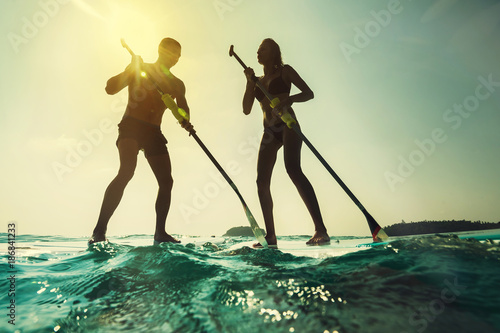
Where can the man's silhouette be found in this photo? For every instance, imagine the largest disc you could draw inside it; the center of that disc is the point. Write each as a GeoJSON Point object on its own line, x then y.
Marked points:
{"type": "Point", "coordinates": [139, 129]}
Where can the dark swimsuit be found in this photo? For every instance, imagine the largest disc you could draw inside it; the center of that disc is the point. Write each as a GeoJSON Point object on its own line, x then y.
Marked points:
{"type": "Point", "coordinates": [276, 86]}
{"type": "Point", "coordinates": [149, 137]}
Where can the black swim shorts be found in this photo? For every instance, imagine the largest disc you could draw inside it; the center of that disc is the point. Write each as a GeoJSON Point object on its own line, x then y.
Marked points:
{"type": "Point", "coordinates": [275, 131]}
{"type": "Point", "coordinates": [148, 136]}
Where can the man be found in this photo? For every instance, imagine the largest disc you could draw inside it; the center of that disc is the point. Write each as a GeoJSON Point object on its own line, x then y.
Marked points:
{"type": "Point", "coordinates": [139, 129]}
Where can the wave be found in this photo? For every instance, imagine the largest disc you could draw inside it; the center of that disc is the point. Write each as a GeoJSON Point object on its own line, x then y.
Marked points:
{"type": "Point", "coordinates": [431, 284]}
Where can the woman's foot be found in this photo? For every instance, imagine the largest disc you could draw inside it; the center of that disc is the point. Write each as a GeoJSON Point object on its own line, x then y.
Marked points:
{"type": "Point", "coordinates": [319, 238]}
{"type": "Point", "coordinates": [271, 243]}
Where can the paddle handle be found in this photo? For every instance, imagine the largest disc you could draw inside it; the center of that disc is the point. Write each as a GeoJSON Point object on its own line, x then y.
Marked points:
{"type": "Point", "coordinates": [179, 113]}
{"type": "Point", "coordinates": [124, 44]}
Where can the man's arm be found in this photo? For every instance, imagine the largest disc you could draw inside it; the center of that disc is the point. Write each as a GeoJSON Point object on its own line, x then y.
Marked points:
{"type": "Point", "coordinates": [182, 103]}
{"type": "Point", "coordinates": [120, 81]}
{"type": "Point", "coordinates": [181, 97]}
{"type": "Point", "coordinates": [117, 83]}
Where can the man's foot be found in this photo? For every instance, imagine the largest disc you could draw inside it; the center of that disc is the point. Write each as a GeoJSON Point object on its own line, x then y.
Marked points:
{"type": "Point", "coordinates": [97, 237]}
{"type": "Point", "coordinates": [259, 246]}
{"type": "Point", "coordinates": [164, 238]}
{"type": "Point", "coordinates": [271, 243]}
{"type": "Point", "coordinates": [319, 238]}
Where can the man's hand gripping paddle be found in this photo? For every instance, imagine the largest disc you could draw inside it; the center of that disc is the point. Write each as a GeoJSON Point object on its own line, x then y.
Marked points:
{"type": "Point", "coordinates": [181, 115]}
{"type": "Point", "coordinates": [378, 234]}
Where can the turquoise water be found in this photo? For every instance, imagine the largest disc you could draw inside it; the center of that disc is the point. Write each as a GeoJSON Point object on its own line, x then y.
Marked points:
{"type": "Point", "coordinates": [430, 284]}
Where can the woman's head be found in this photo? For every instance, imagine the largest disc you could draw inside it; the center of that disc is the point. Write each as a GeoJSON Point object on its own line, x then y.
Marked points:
{"type": "Point", "coordinates": [269, 53]}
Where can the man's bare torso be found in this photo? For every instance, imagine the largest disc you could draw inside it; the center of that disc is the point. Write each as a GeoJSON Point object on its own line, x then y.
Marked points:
{"type": "Point", "coordinates": [144, 100]}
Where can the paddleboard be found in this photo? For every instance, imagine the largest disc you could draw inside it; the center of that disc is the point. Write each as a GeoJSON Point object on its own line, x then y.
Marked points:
{"type": "Point", "coordinates": [339, 247]}
{"type": "Point", "coordinates": [300, 248]}
{"type": "Point", "coordinates": [480, 235]}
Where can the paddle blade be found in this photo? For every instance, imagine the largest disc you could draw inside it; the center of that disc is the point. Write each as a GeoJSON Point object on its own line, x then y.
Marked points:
{"type": "Point", "coordinates": [255, 228]}
{"type": "Point", "coordinates": [378, 234]}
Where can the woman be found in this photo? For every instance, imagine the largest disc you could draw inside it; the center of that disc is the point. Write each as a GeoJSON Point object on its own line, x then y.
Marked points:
{"type": "Point", "coordinates": [278, 79]}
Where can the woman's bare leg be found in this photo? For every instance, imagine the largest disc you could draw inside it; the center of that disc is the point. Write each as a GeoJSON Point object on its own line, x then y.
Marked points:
{"type": "Point", "coordinates": [292, 147]}
{"type": "Point", "coordinates": [269, 147]}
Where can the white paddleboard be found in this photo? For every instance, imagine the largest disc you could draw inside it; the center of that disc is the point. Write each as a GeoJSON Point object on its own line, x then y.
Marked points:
{"type": "Point", "coordinates": [341, 247]}
{"type": "Point", "coordinates": [300, 248]}
{"type": "Point", "coordinates": [481, 235]}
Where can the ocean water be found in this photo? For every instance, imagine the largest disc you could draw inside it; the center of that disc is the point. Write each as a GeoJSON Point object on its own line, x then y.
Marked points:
{"type": "Point", "coordinates": [425, 284]}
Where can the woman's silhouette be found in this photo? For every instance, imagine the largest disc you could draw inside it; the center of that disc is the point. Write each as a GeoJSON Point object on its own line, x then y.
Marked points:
{"type": "Point", "coordinates": [278, 79]}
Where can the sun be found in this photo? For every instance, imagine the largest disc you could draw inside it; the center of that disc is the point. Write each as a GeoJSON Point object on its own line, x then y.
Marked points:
{"type": "Point", "coordinates": [131, 21]}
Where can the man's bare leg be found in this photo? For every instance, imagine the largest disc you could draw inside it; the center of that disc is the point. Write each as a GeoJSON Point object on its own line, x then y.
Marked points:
{"type": "Point", "coordinates": [128, 150]}
{"type": "Point", "coordinates": [162, 169]}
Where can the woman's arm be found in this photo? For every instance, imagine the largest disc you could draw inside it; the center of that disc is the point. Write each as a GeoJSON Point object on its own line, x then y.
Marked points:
{"type": "Point", "coordinates": [305, 92]}
{"type": "Point", "coordinates": [249, 96]}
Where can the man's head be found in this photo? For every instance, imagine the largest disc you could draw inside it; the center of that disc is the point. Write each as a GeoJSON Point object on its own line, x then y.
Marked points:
{"type": "Point", "coordinates": [169, 52]}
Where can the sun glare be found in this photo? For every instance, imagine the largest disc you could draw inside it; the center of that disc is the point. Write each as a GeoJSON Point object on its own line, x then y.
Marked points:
{"type": "Point", "coordinates": [138, 29]}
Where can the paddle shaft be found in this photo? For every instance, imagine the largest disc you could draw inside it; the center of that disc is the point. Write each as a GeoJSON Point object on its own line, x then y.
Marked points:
{"type": "Point", "coordinates": [253, 223]}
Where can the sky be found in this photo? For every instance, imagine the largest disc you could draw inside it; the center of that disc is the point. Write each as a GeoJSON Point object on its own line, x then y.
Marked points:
{"type": "Point", "coordinates": [406, 111]}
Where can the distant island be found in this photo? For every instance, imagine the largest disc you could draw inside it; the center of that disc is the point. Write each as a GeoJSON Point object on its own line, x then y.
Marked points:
{"type": "Point", "coordinates": [241, 231]}
{"type": "Point", "coordinates": [433, 227]}
{"type": "Point", "coordinates": [403, 228]}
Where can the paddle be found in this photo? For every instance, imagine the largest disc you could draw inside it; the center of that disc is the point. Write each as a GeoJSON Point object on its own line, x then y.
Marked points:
{"type": "Point", "coordinates": [378, 233]}
{"type": "Point", "coordinates": [181, 115]}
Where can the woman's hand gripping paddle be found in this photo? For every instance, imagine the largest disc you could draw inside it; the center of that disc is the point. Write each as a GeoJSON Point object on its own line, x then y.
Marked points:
{"type": "Point", "coordinates": [378, 234]}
